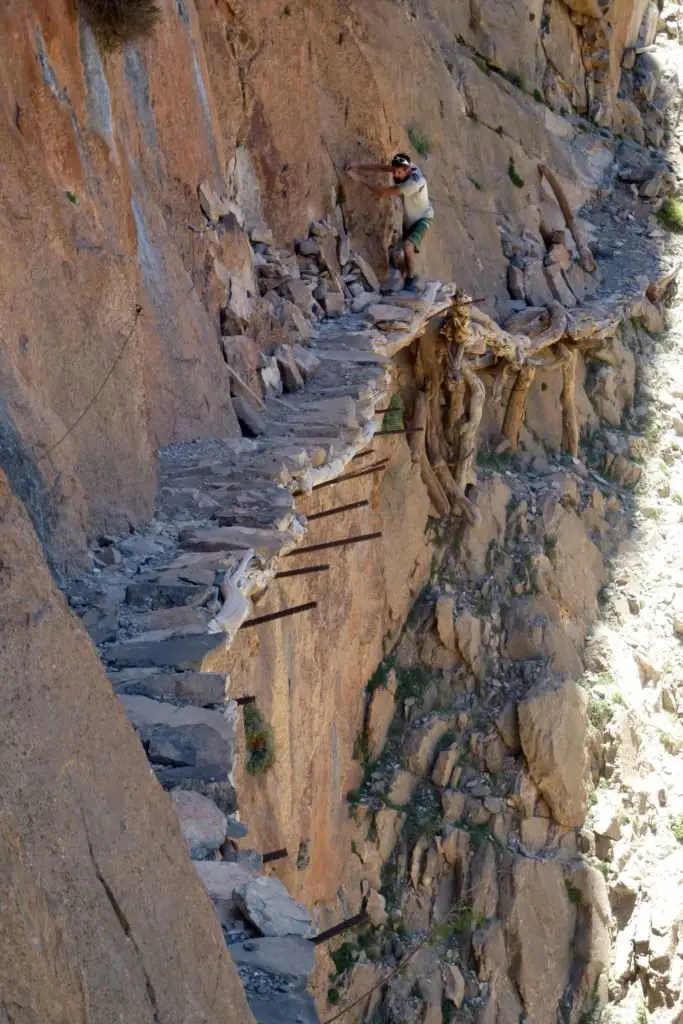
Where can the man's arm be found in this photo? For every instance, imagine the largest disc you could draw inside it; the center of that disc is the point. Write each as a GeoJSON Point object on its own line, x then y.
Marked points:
{"type": "Point", "coordinates": [369, 167]}
{"type": "Point", "coordinates": [378, 190]}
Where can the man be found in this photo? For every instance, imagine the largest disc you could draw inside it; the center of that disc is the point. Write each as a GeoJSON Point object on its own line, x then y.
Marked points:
{"type": "Point", "coordinates": [418, 213]}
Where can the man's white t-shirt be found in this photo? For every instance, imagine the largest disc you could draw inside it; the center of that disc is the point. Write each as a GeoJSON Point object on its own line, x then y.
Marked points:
{"type": "Point", "coordinates": [415, 197]}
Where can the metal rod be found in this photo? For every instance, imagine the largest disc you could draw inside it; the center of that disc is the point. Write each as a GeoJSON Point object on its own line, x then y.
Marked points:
{"type": "Point", "coordinates": [400, 430]}
{"type": "Point", "coordinates": [350, 922]}
{"type": "Point", "coordinates": [245, 700]}
{"type": "Point", "coordinates": [381, 412]}
{"type": "Point", "coordinates": [338, 509]}
{"type": "Point", "coordinates": [364, 455]}
{"type": "Point", "coordinates": [274, 855]}
{"type": "Point", "coordinates": [300, 572]}
{"type": "Point", "coordinates": [334, 544]}
{"type": "Point", "coordinates": [375, 468]}
{"type": "Point", "coordinates": [294, 610]}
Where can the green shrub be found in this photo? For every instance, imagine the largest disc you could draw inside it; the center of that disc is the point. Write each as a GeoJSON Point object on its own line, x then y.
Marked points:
{"type": "Point", "coordinates": [538, 96]}
{"type": "Point", "coordinates": [600, 711]}
{"type": "Point", "coordinates": [514, 177]}
{"type": "Point", "coordinates": [420, 143]}
{"type": "Point", "coordinates": [393, 419]}
{"type": "Point", "coordinates": [671, 213]}
{"type": "Point", "coordinates": [476, 184]}
{"type": "Point", "coordinates": [117, 22]}
{"type": "Point", "coordinates": [677, 826]}
{"type": "Point", "coordinates": [260, 741]}
{"type": "Point", "coordinates": [573, 893]}
{"type": "Point", "coordinates": [333, 996]}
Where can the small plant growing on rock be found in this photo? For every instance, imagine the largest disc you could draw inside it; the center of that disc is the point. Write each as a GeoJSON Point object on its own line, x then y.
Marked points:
{"type": "Point", "coordinates": [671, 213]}
{"type": "Point", "coordinates": [393, 419]}
{"type": "Point", "coordinates": [260, 741]}
{"type": "Point", "coordinates": [117, 22]}
{"type": "Point", "coordinates": [677, 826]}
{"type": "Point", "coordinates": [538, 96]}
{"type": "Point", "coordinates": [420, 143]}
{"type": "Point", "coordinates": [573, 893]}
{"type": "Point", "coordinates": [514, 177]}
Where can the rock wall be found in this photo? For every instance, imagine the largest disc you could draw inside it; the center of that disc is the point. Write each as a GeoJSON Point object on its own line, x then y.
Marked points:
{"type": "Point", "coordinates": [89, 845]}
{"type": "Point", "coordinates": [118, 146]}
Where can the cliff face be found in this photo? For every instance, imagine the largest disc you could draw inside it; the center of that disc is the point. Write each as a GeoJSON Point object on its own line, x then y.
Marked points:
{"type": "Point", "coordinates": [104, 918]}
{"type": "Point", "coordinates": [271, 99]}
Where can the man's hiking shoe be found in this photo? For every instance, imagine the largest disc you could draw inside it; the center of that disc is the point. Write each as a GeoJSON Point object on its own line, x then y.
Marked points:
{"type": "Point", "coordinates": [411, 285]}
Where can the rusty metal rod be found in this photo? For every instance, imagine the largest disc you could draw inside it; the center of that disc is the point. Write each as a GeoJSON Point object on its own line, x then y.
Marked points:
{"type": "Point", "coordinates": [400, 430]}
{"type": "Point", "coordinates": [337, 510]}
{"type": "Point", "coordinates": [375, 468]}
{"type": "Point", "coordinates": [300, 572]}
{"type": "Point", "coordinates": [294, 610]}
{"type": "Point", "coordinates": [350, 922]}
{"type": "Point", "coordinates": [334, 544]}
{"type": "Point", "coordinates": [381, 412]}
{"type": "Point", "coordinates": [274, 855]}
{"type": "Point", "coordinates": [245, 700]}
{"type": "Point", "coordinates": [364, 455]}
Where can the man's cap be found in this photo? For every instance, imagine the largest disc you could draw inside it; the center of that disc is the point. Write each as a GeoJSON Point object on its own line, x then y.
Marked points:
{"type": "Point", "coordinates": [401, 160]}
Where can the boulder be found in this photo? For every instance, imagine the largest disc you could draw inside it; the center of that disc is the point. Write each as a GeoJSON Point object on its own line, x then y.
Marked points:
{"type": "Point", "coordinates": [421, 745]}
{"type": "Point", "coordinates": [445, 763]}
{"type": "Point", "coordinates": [539, 930]}
{"type": "Point", "coordinates": [468, 640]}
{"type": "Point", "coordinates": [445, 625]}
{"type": "Point", "coordinates": [553, 725]}
{"type": "Point", "coordinates": [289, 371]}
{"type": "Point", "coordinates": [203, 824]}
{"type": "Point", "coordinates": [265, 902]}
{"type": "Point", "coordinates": [381, 710]}
{"type": "Point", "coordinates": [453, 985]}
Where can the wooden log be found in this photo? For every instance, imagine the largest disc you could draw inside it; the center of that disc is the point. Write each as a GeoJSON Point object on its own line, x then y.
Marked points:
{"type": "Point", "coordinates": [553, 333]}
{"type": "Point", "coordinates": [585, 255]}
{"type": "Point", "coordinates": [516, 407]}
{"type": "Point", "coordinates": [570, 427]}
{"type": "Point", "coordinates": [418, 452]}
{"type": "Point", "coordinates": [469, 432]}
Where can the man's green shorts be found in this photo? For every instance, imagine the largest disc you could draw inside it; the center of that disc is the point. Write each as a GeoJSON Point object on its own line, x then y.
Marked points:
{"type": "Point", "coordinates": [416, 232]}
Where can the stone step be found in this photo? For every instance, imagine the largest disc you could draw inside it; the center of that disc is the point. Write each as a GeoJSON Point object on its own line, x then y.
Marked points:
{"type": "Point", "coordinates": [181, 652]}
{"type": "Point", "coordinates": [152, 592]}
{"type": "Point", "coordinates": [221, 879]}
{"type": "Point", "coordinates": [199, 688]}
{"type": "Point", "coordinates": [283, 1008]}
{"type": "Point", "coordinates": [291, 956]}
{"type": "Point", "coordinates": [237, 538]}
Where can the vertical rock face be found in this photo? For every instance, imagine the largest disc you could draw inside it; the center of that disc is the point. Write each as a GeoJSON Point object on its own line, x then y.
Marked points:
{"type": "Point", "coordinates": [101, 223]}
{"type": "Point", "coordinates": [90, 847]}
{"type": "Point", "coordinates": [552, 726]}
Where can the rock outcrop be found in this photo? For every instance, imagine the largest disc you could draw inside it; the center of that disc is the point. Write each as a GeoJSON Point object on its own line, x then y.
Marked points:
{"type": "Point", "coordinates": [89, 843]}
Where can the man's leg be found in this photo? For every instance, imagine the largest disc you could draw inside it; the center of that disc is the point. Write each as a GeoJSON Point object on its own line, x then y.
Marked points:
{"type": "Point", "coordinates": [409, 253]}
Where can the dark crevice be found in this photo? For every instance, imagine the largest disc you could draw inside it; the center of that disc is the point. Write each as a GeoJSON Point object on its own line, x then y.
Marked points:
{"type": "Point", "coordinates": [127, 931]}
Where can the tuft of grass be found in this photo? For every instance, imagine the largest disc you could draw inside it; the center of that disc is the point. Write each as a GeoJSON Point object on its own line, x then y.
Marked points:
{"type": "Point", "coordinates": [600, 711]}
{"type": "Point", "coordinates": [641, 1012]}
{"type": "Point", "coordinates": [676, 824]}
{"type": "Point", "coordinates": [420, 143]}
{"type": "Point", "coordinates": [514, 177]}
{"type": "Point", "coordinates": [117, 22]}
{"type": "Point", "coordinates": [538, 96]}
{"type": "Point", "coordinates": [514, 78]}
{"type": "Point", "coordinates": [412, 682]}
{"type": "Point", "coordinates": [573, 893]}
{"type": "Point", "coordinates": [393, 419]}
{"type": "Point", "coordinates": [479, 187]}
{"type": "Point", "coordinates": [671, 213]}
{"type": "Point", "coordinates": [260, 741]}
{"type": "Point", "coordinates": [71, 197]}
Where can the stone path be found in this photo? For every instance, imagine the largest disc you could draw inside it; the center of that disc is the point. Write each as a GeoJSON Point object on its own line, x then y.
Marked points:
{"type": "Point", "coordinates": [161, 600]}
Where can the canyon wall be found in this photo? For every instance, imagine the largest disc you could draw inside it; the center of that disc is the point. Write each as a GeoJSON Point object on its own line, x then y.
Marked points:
{"type": "Point", "coordinates": [104, 918]}
{"type": "Point", "coordinates": [268, 102]}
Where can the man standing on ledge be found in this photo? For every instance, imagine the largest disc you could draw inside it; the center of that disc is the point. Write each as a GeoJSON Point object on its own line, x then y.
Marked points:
{"type": "Point", "coordinates": [418, 213]}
